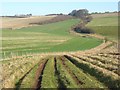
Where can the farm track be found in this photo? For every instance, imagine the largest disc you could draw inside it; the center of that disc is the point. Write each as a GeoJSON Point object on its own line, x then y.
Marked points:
{"type": "Point", "coordinates": [38, 75]}
{"type": "Point", "coordinates": [78, 82]}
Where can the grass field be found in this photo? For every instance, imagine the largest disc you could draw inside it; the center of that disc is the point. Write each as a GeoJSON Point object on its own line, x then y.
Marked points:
{"type": "Point", "coordinates": [54, 37]}
{"type": "Point", "coordinates": [107, 26]}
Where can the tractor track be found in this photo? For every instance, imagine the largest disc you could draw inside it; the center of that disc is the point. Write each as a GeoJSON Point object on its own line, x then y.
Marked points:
{"type": "Point", "coordinates": [38, 75]}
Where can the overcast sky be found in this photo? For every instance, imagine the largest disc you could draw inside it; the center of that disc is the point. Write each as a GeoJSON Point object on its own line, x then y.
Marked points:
{"type": "Point", "coordinates": [43, 8]}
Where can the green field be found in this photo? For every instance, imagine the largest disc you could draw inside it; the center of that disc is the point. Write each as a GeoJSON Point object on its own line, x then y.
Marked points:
{"type": "Point", "coordinates": [107, 26]}
{"type": "Point", "coordinates": [54, 37]}
{"type": "Point", "coordinates": [71, 70]}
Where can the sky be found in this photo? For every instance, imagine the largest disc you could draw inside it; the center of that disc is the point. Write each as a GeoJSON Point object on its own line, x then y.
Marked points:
{"type": "Point", "coordinates": [43, 8]}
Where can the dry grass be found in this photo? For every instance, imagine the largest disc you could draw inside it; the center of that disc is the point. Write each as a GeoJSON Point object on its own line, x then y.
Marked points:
{"type": "Point", "coordinates": [14, 69]}
{"type": "Point", "coordinates": [104, 15]}
{"type": "Point", "coordinates": [22, 22]}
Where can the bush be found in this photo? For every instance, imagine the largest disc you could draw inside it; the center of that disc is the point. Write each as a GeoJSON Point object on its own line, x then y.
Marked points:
{"type": "Point", "coordinates": [83, 30]}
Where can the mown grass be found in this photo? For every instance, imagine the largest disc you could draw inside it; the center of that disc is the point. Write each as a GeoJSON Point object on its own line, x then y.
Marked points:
{"type": "Point", "coordinates": [54, 37]}
{"type": "Point", "coordinates": [107, 26]}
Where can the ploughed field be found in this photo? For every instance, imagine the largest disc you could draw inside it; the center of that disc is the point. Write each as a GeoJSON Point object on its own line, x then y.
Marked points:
{"type": "Point", "coordinates": [53, 37]}
{"type": "Point", "coordinates": [66, 71]}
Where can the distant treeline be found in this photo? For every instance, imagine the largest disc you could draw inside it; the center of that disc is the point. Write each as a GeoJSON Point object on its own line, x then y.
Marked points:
{"type": "Point", "coordinates": [82, 14]}
{"type": "Point", "coordinates": [19, 16]}
{"type": "Point", "coordinates": [104, 12]}
{"type": "Point", "coordinates": [53, 14]}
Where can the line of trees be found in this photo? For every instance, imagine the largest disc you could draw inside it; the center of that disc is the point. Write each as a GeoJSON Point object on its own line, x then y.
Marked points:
{"type": "Point", "coordinates": [23, 15]}
{"type": "Point", "coordinates": [81, 13]}
{"type": "Point", "coordinates": [84, 15]}
{"type": "Point", "coordinates": [104, 12]}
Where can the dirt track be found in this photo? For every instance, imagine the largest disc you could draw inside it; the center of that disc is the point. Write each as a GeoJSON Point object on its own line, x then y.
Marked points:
{"type": "Point", "coordinates": [38, 75]}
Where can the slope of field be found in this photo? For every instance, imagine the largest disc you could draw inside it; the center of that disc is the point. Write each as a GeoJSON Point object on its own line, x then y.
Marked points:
{"type": "Point", "coordinates": [53, 37]}
{"type": "Point", "coordinates": [106, 25]}
{"type": "Point", "coordinates": [13, 23]}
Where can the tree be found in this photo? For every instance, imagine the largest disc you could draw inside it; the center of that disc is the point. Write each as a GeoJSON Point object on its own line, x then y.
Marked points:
{"type": "Point", "coordinates": [30, 14]}
{"type": "Point", "coordinates": [79, 13]}
{"type": "Point", "coordinates": [73, 13]}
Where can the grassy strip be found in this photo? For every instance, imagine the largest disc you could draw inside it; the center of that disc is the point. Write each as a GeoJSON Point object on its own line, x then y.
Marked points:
{"type": "Point", "coordinates": [75, 78]}
{"type": "Point", "coordinates": [64, 75]}
{"type": "Point", "coordinates": [48, 79]}
{"type": "Point", "coordinates": [28, 80]}
{"type": "Point", "coordinates": [39, 74]}
{"type": "Point", "coordinates": [107, 80]}
{"type": "Point", "coordinates": [57, 74]}
{"type": "Point", "coordinates": [89, 81]}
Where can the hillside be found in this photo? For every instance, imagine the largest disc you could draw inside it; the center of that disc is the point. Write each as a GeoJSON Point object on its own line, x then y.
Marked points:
{"type": "Point", "coordinates": [8, 22]}
{"type": "Point", "coordinates": [105, 24]}
{"type": "Point", "coordinates": [50, 55]}
{"type": "Point", "coordinates": [54, 37]}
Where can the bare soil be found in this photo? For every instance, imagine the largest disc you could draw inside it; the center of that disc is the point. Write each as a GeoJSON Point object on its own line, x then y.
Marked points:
{"type": "Point", "coordinates": [38, 75]}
